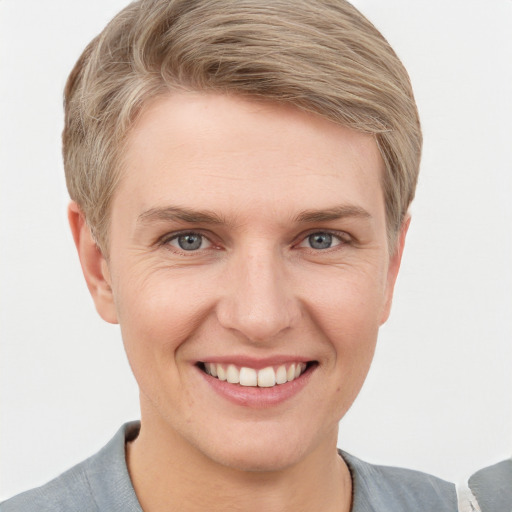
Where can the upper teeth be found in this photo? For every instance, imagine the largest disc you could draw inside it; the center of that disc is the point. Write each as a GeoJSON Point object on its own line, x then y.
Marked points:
{"type": "Point", "coordinates": [264, 378]}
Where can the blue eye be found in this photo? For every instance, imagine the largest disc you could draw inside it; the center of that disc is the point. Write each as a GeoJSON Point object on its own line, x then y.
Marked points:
{"type": "Point", "coordinates": [190, 241]}
{"type": "Point", "coordinates": [321, 240]}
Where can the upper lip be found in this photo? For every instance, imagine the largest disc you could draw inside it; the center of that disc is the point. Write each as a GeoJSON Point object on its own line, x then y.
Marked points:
{"type": "Point", "coordinates": [256, 362]}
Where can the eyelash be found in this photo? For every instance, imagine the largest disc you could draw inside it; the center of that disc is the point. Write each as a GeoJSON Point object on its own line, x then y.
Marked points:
{"type": "Point", "coordinates": [342, 237]}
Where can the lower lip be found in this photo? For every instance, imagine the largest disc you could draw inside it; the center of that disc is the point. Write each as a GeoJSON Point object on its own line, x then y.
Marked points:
{"type": "Point", "coordinates": [256, 397]}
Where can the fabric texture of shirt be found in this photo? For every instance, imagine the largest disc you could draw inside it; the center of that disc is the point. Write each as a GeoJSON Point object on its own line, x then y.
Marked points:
{"type": "Point", "coordinates": [102, 484]}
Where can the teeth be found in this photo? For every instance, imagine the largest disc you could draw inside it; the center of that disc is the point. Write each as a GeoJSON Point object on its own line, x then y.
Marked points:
{"type": "Point", "coordinates": [267, 377]}
{"type": "Point", "coordinates": [221, 373]}
{"type": "Point", "coordinates": [264, 378]}
{"type": "Point", "coordinates": [281, 375]}
{"type": "Point", "coordinates": [248, 377]}
{"type": "Point", "coordinates": [232, 374]}
{"type": "Point", "coordinates": [290, 374]}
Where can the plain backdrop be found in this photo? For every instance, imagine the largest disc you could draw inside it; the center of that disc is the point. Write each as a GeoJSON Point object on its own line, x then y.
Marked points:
{"type": "Point", "coordinates": [439, 395]}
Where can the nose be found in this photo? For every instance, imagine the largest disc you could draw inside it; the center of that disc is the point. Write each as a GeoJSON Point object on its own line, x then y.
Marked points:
{"type": "Point", "coordinates": [258, 299]}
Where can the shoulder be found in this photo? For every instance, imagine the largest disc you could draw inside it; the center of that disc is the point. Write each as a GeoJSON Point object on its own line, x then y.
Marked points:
{"type": "Point", "coordinates": [70, 491]}
{"type": "Point", "coordinates": [492, 487]}
{"type": "Point", "coordinates": [384, 488]}
{"type": "Point", "coordinates": [87, 486]}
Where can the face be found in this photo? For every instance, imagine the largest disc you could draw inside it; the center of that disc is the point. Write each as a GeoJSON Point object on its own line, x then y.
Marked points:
{"type": "Point", "coordinates": [249, 271]}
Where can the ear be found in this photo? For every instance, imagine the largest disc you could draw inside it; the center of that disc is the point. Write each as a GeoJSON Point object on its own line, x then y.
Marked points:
{"type": "Point", "coordinates": [393, 268]}
{"type": "Point", "coordinates": [94, 265]}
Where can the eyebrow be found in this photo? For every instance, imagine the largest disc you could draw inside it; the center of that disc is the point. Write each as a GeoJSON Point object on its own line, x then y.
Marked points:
{"type": "Point", "coordinates": [336, 213]}
{"type": "Point", "coordinates": [175, 213]}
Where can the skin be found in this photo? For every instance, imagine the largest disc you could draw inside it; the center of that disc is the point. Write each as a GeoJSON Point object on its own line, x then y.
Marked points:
{"type": "Point", "coordinates": [268, 176]}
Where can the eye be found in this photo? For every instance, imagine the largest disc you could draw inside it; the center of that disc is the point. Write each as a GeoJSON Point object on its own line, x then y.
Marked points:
{"type": "Point", "coordinates": [321, 240]}
{"type": "Point", "coordinates": [189, 241]}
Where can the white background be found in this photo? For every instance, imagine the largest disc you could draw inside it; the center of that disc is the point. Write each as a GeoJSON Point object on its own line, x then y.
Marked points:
{"type": "Point", "coordinates": [439, 395]}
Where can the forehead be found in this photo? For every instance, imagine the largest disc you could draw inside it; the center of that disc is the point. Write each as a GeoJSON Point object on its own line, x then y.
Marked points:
{"type": "Point", "coordinates": [221, 151]}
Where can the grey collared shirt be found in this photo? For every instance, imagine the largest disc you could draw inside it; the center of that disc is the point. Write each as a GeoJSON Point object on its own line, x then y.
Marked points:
{"type": "Point", "coordinates": [102, 484]}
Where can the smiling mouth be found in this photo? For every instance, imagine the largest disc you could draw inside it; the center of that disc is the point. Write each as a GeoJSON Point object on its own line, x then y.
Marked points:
{"type": "Point", "coordinates": [267, 377]}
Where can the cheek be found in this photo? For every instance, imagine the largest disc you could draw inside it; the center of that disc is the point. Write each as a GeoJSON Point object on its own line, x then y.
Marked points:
{"type": "Point", "coordinates": [158, 315]}
{"type": "Point", "coordinates": [160, 310]}
{"type": "Point", "coordinates": [346, 302]}
{"type": "Point", "coordinates": [347, 310]}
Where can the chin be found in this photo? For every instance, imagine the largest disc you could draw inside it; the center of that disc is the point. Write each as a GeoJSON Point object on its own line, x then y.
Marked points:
{"type": "Point", "coordinates": [259, 449]}
{"type": "Point", "coordinates": [261, 460]}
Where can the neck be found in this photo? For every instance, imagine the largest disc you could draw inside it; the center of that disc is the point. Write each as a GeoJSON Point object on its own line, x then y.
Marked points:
{"type": "Point", "coordinates": [170, 474]}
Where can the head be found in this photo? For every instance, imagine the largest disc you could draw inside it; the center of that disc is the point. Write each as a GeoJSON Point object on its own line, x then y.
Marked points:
{"type": "Point", "coordinates": [321, 57]}
{"type": "Point", "coordinates": [245, 170]}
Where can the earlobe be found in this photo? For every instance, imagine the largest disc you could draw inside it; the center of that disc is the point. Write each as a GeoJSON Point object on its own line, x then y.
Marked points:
{"type": "Point", "coordinates": [393, 268]}
{"type": "Point", "coordinates": [94, 265]}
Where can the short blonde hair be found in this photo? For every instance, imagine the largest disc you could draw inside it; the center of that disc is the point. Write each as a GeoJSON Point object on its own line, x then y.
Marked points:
{"type": "Point", "coordinates": [323, 56]}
